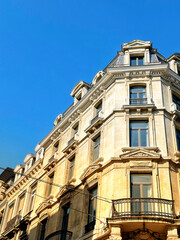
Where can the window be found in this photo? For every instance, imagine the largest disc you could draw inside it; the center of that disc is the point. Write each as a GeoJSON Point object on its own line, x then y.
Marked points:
{"type": "Point", "coordinates": [51, 178]}
{"type": "Point", "coordinates": [176, 100]}
{"type": "Point", "coordinates": [33, 195]}
{"type": "Point", "coordinates": [141, 187]}
{"type": "Point", "coordinates": [178, 139]}
{"type": "Point", "coordinates": [76, 128]}
{"type": "Point", "coordinates": [71, 168]}
{"type": "Point", "coordinates": [56, 146]}
{"type": "Point", "coordinates": [10, 212]}
{"type": "Point", "coordinates": [21, 204]}
{"type": "Point", "coordinates": [96, 148]}
{"type": "Point", "coordinates": [136, 60]}
{"type": "Point", "coordinates": [138, 133]}
{"type": "Point", "coordinates": [92, 209]}
{"type": "Point", "coordinates": [66, 210]}
{"type": "Point", "coordinates": [43, 229]}
{"type": "Point", "coordinates": [138, 95]}
{"type": "Point", "coordinates": [98, 108]}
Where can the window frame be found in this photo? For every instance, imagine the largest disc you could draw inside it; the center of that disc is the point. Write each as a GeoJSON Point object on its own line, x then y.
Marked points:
{"type": "Point", "coordinates": [71, 167]}
{"type": "Point", "coordinates": [136, 58]}
{"type": "Point", "coordinates": [139, 132]}
{"type": "Point", "coordinates": [96, 145]}
{"type": "Point", "coordinates": [50, 184]}
{"type": "Point", "coordinates": [138, 100]}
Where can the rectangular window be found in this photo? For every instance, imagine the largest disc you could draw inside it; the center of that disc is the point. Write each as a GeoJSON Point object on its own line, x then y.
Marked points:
{"type": "Point", "coordinates": [176, 100]}
{"type": "Point", "coordinates": [21, 204]}
{"type": "Point", "coordinates": [66, 210]}
{"type": "Point", "coordinates": [51, 178]}
{"type": "Point", "coordinates": [10, 212]}
{"type": "Point", "coordinates": [136, 60]}
{"type": "Point", "coordinates": [138, 95]}
{"type": "Point", "coordinates": [76, 128]}
{"type": "Point", "coordinates": [138, 133]}
{"type": "Point", "coordinates": [98, 108]}
{"type": "Point", "coordinates": [96, 150]}
{"type": "Point", "coordinates": [71, 168]}
{"type": "Point", "coordinates": [32, 198]}
{"type": "Point", "coordinates": [43, 229]}
{"type": "Point", "coordinates": [141, 187]}
{"type": "Point", "coordinates": [56, 146]}
{"type": "Point", "coordinates": [92, 209]}
{"type": "Point", "coordinates": [178, 139]}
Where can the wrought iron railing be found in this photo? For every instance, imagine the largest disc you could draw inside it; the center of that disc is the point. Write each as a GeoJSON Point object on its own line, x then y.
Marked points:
{"type": "Point", "coordinates": [138, 101]}
{"type": "Point", "coordinates": [90, 226]}
{"type": "Point", "coordinates": [14, 221]}
{"type": "Point", "coordinates": [152, 207]}
{"type": "Point", "coordinates": [60, 235]}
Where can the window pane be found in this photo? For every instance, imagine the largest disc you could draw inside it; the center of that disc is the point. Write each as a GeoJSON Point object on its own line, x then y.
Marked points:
{"type": "Point", "coordinates": [133, 61]}
{"type": "Point", "coordinates": [140, 60]}
{"type": "Point", "coordinates": [134, 138]}
{"type": "Point", "coordinates": [144, 137]}
{"type": "Point", "coordinates": [178, 139]}
{"type": "Point", "coordinates": [135, 191]}
{"type": "Point", "coordinates": [133, 95]}
{"type": "Point", "coordinates": [92, 205]}
{"type": "Point", "coordinates": [141, 178]}
{"type": "Point", "coordinates": [99, 107]}
{"type": "Point", "coordinates": [147, 190]}
{"type": "Point", "coordinates": [139, 124]}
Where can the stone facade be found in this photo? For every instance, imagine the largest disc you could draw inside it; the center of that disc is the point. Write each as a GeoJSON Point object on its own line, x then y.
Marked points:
{"type": "Point", "coordinates": [110, 167]}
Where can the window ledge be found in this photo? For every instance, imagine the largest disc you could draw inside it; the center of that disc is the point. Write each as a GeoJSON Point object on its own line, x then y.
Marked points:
{"type": "Point", "coordinates": [72, 180]}
{"type": "Point", "coordinates": [139, 106]}
{"type": "Point", "coordinates": [126, 149]}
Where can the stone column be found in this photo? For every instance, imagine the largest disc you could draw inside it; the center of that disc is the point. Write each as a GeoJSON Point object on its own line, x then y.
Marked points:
{"type": "Point", "coordinates": [115, 233]}
{"type": "Point", "coordinates": [172, 233]}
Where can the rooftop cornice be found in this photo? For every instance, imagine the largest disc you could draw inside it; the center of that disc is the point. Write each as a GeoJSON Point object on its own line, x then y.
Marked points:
{"type": "Point", "coordinates": [76, 108]}
{"type": "Point", "coordinates": [126, 71]}
{"type": "Point", "coordinates": [35, 168]}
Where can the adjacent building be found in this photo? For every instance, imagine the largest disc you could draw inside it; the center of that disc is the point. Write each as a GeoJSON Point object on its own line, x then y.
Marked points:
{"type": "Point", "coordinates": [110, 167]}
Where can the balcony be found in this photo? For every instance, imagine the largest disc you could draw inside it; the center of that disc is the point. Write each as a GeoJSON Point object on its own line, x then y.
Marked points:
{"type": "Point", "coordinates": [72, 143]}
{"type": "Point", "coordinates": [143, 207]}
{"type": "Point", "coordinates": [95, 122]}
{"type": "Point", "coordinates": [13, 222]}
{"type": "Point", "coordinates": [60, 235]}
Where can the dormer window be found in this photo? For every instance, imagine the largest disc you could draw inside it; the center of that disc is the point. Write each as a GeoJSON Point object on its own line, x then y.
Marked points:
{"type": "Point", "coordinates": [134, 61]}
{"type": "Point", "coordinates": [79, 97]}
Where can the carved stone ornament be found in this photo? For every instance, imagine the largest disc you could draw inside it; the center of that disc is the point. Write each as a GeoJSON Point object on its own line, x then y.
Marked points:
{"type": "Point", "coordinates": [66, 188]}
{"type": "Point", "coordinates": [140, 154]}
{"type": "Point", "coordinates": [90, 170]}
{"type": "Point", "coordinates": [44, 205]}
{"type": "Point", "coordinates": [140, 164]}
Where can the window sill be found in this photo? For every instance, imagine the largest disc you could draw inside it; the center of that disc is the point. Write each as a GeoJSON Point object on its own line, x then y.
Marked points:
{"type": "Point", "coordinates": [72, 180]}
{"type": "Point", "coordinates": [126, 149]}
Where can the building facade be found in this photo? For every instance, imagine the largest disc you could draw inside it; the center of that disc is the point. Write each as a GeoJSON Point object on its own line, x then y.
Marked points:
{"type": "Point", "coordinates": [110, 167]}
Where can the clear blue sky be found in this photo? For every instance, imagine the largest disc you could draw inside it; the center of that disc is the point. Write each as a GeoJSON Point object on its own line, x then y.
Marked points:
{"type": "Point", "coordinates": [47, 46]}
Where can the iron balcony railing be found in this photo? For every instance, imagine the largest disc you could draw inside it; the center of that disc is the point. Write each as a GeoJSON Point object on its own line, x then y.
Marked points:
{"type": "Point", "coordinates": [138, 101]}
{"type": "Point", "coordinates": [152, 207]}
{"type": "Point", "coordinates": [60, 235]}
{"type": "Point", "coordinates": [90, 226]}
{"type": "Point", "coordinates": [14, 221]}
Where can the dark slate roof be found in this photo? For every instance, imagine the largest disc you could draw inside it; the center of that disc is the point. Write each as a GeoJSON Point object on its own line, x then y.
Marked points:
{"type": "Point", "coordinates": [7, 174]}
